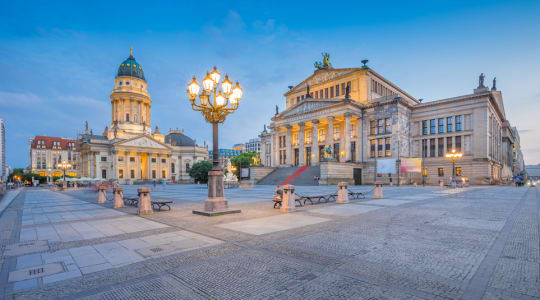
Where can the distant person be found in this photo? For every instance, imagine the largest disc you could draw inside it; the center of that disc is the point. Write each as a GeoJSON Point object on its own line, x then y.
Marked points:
{"type": "Point", "coordinates": [163, 182]}
{"type": "Point", "coordinates": [154, 184]}
{"type": "Point", "coordinates": [279, 193]}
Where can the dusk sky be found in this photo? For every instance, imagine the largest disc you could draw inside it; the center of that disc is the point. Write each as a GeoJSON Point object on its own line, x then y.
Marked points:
{"type": "Point", "coordinates": [58, 59]}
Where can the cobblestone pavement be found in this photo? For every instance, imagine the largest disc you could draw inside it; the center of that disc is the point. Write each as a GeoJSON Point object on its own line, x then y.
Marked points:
{"type": "Point", "coordinates": [416, 243]}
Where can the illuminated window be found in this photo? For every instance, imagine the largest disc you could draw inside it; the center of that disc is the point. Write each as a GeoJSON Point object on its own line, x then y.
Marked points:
{"type": "Point", "coordinates": [387, 128]}
{"type": "Point", "coordinates": [372, 127]}
{"type": "Point", "coordinates": [388, 151]}
{"type": "Point", "coordinates": [441, 172]}
{"type": "Point", "coordinates": [132, 173]}
{"type": "Point", "coordinates": [163, 174]}
{"type": "Point", "coordinates": [121, 174]}
{"type": "Point", "coordinates": [379, 147]}
{"type": "Point", "coordinates": [372, 152]}
{"type": "Point", "coordinates": [458, 171]}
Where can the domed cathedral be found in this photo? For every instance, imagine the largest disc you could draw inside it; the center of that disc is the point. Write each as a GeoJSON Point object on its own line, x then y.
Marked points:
{"type": "Point", "coordinates": [130, 101]}
{"type": "Point", "coordinates": [130, 152]}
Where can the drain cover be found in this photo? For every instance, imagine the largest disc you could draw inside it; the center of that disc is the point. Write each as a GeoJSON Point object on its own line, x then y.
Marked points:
{"type": "Point", "coordinates": [155, 250]}
{"type": "Point", "coordinates": [37, 271]}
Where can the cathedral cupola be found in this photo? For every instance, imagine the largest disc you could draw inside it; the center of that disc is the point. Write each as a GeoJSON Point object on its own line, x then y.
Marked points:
{"type": "Point", "coordinates": [130, 68]}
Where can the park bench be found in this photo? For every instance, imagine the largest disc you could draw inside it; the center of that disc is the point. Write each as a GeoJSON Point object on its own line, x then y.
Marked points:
{"type": "Point", "coordinates": [278, 200]}
{"type": "Point", "coordinates": [318, 198]}
{"type": "Point", "coordinates": [356, 195]}
{"type": "Point", "coordinates": [160, 203]}
{"type": "Point", "coordinates": [133, 201]}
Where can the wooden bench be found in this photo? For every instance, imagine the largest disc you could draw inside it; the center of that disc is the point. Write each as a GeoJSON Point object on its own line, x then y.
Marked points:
{"type": "Point", "coordinates": [277, 202]}
{"type": "Point", "coordinates": [319, 198]}
{"type": "Point", "coordinates": [356, 195]}
{"type": "Point", "coordinates": [160, 204]}
{"type": "Point", "coordinates": [133, 201]}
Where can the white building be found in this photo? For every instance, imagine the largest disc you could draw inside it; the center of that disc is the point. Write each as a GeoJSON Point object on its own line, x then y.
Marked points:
{"type": "Point", "coordinates": [3, 172]}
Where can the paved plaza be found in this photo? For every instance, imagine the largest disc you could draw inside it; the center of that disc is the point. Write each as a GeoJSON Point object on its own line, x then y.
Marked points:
{"type": "Point", "coordinates": [416, 243]}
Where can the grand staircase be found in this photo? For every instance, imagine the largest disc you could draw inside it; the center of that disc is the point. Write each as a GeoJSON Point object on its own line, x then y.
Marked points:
{"type": "Point", "coordinates": [292, 175]}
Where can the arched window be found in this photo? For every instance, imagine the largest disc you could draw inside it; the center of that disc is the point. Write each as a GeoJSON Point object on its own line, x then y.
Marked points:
{"type": "Point", "coordinates": [187, 167]}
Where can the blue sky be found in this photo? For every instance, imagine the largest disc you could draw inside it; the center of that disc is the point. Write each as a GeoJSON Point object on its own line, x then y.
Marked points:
{"type": "Point", "coordinates": [58, 59]}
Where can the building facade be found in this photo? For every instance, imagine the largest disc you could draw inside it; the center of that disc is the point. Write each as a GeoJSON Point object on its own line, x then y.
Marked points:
{"type": "Point", "coordinates": [3, 172]}
{"type": "Point", "coordinates": [46, 152]}
{"type": "Point", "coordinates": [346, 119]}
{"type": "Point", "coordinates": [130, 151]}
{"type": "Point", "coordinates": [253, 145]}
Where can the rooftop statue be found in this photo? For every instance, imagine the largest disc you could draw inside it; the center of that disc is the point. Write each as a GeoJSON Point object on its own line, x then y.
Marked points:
{"type": "Point", "coordinates": [481, 80]}
{"type": "Point", "coordinates": [325, 64]}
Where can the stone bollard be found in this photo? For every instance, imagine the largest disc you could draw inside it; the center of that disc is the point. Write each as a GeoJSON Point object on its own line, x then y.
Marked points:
{"type": "Point", "coordinates": [118, 198]}
{"type": "Point", "coordinates": [378, 194]}
{"type": "Point", "coordinates": [145, 205]}
{"type": "Point", "coordinates": [102, 195]}
{"type": "Point", "coordinates": [343, 193]}
{"type": "Point", "coordinates": [288, 203]}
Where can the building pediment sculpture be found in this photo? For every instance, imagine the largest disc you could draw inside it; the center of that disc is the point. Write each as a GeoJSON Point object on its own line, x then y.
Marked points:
{"type": "Point", "coordinates": [325, 63]}
{"type": "Point", "coordinates": [143, 141]}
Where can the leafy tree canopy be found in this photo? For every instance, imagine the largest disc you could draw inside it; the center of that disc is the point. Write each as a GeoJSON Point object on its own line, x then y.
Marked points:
{"type": "Point", "coordinates": [199, 171]}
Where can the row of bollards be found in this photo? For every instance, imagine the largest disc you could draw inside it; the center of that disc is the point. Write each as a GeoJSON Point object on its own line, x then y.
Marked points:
{"type": "Point", "coordinates": [144, 203]}
{"type": "Point", "coordinates": [288, 202]}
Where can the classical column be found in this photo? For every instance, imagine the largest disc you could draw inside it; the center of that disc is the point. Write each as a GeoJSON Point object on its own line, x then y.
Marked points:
{"type": "Point", "coordinates": [114, 165]}
{"type": "Point", "coordinates": [275, 148]}
{"type": "Point", "coordinates": [330, 133]}
{"type": "Point", "coordinates": [149, 162]}
{"type": "Point", "coordinates": [301, 147]}
{"type": "Point", "coordinates": [315, 143]}
{"type": "Point", "coordinates": [288, 145]}
{"type": "Point", "coordinates": [358, 147]}
{"type": "Point", "coordinates": [347, 139]}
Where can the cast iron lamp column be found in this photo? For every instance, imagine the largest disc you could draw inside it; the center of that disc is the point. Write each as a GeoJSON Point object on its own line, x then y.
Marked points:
{"type": "Point", "coordinates": [453, 157]}
{"type": "Point", "coordinates": [64, 166]}
{"type": "Point", "coordinates": [215, 105]}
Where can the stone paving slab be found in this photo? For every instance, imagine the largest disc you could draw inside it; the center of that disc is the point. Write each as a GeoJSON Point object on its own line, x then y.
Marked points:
{"type": "Point", "coordinates": [344, 210]}
{"type": "Point", "coordinates": [272, 224]}
{"type": "Point", "coordinates": [384, 202]}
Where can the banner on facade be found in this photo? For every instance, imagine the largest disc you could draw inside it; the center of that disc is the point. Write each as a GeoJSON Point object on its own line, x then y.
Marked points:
{"type": "Point", "coordinates": [410, 165]}
{"type": "Point", "coordinates": [244, 173]}
{"type": "Point", "coordinates": [386, 166]}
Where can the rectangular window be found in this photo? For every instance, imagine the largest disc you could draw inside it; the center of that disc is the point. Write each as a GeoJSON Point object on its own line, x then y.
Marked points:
{"type": "Point", "coordinates": [432, 129]}
{"type": "Point", "coordinates": [153, 160]}
{"type": "Point", "coordinates": [424, 127]}
{"type": "Point", "coordinates": [302, 98]}
{"type": "Point", "coordinates": [380, 127]}
{"type": "Point", "coordinates": [372, 147]}
{"type": "Point", "coordinates": [163, 173]}
{"type": "Point", "coordinates": [127, 117]}
{"type": "Point", "coordinates": [132, 159]}
{"type": "Point", "coordinates": [372, 127]}
{"type": "Point", "coordinates": [297, 99]}
{"type": "Point", "coordinates": [343, 88]}
{"type": "Point", "coordinates": [120, 158]}
{"type": "Point", "coordinates": [337, 90]}
{"type": "Point", "coordinates": [449, 144]}
{"type": "Point", "coordinates": [459, 121]}
{"type": "Point", "coordinates": [104, 158]}
{"type": "Point", "coordinates": [163, 160]}
{"type": "Point", "coordinates": [379, 147]}
{"type": "Point", "coordinates": [449, 124]}
{"type": "Point", "coordinates": [132, 173]}
{"type": "Point", "coordinates": [316, 94]}
{"type": "Point", "coordinates": [121, 174]}
{"type": "Point", "coordinates": [441, 147]}
{"type": "Point", "coordinates": [388, 151]}
{"type": "Point", "coordinates": [424, 148]}
{"type": "Point", "coordinates": [458, 143]}
{"type": "Point", "coordinates": [331, 92]}
{"type": "Point", "coordinates": [432, 148]}
{"type": "Point", "coordinates": [441, 125]}
{"type": "Point", "coordinates": [154, 174]}
{"type": "Point", "coordinates": [326, 93]}
{"type": "Point", "coordinates": [387, 125]}
{"type": "Point", "coordinates": [458, 171]}
{"type": "Point", "coordinates": [104, 174]}
{"type": "Point", "coordinates": [441, 172]}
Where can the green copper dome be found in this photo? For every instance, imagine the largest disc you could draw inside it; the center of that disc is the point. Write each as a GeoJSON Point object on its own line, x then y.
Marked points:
{"type": "Point", "coordinates": [131, 68]}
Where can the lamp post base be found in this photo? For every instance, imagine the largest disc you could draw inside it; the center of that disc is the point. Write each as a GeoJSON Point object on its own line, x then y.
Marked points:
{"type": "Point", "coordinates": [216, 203]}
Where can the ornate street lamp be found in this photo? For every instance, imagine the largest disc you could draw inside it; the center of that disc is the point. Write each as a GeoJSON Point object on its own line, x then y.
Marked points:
{"type": "Point", "coordinates": [64, 166]}
{"type": "Point", "coordinates": [454, 156]}
{"type": "Point", "coordinates": [215, 104]}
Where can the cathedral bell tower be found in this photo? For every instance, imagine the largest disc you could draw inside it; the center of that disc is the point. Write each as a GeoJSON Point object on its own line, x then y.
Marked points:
{"type": "Point", "coordinates": [130, 101]}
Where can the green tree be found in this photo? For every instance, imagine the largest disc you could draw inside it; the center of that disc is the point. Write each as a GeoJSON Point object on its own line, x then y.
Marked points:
{"type": "Point", "coordinates": [199, 171]}
{"type": "Point", "coordinates": [243, 160]}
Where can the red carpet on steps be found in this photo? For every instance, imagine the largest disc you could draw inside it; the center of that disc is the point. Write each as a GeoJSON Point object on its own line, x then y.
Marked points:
{"type": "Point", "coordinates": [294, 175]}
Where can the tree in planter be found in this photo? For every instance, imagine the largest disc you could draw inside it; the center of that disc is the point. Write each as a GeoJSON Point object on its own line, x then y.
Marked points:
{"type": "Point", "coordinates": [199, 171]}
{"type": "Point", "coordinates": [243, 160]}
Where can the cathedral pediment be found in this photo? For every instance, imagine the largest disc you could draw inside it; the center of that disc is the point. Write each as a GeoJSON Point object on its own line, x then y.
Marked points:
{"type": "Point", "coordinates": [142, 141]}
{"type": "Point", "coordinates": [321, 76]}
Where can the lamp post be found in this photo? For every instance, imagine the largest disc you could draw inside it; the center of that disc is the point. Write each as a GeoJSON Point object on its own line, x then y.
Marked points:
{"type": "Point", "coordinates": [64, 166]}
{"type": "Point", "coordinates": [453, 156]}
{"type": "Point", "coordinates": [214, 104]}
